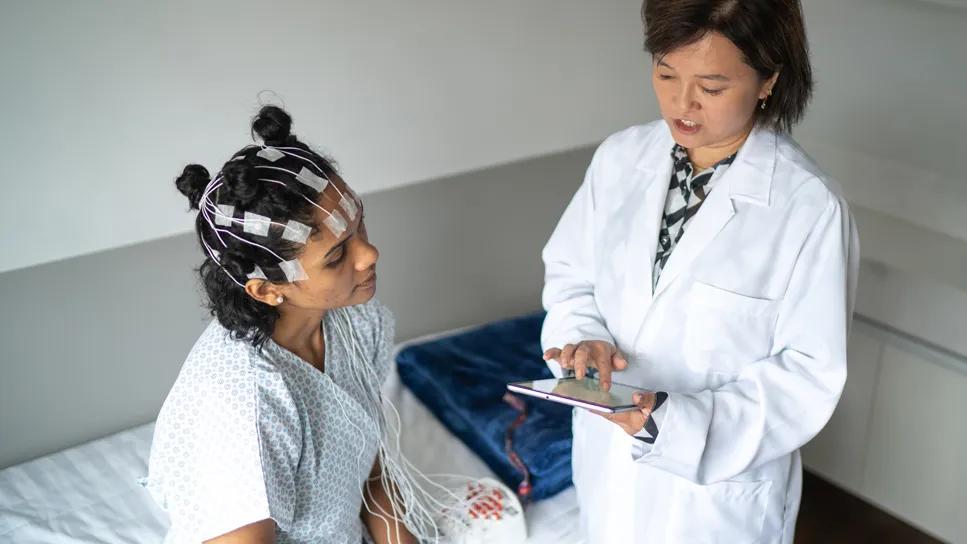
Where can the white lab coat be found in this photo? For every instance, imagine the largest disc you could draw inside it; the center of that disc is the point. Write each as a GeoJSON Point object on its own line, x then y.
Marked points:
{"type": "Point", "coordinates": [746, 331]}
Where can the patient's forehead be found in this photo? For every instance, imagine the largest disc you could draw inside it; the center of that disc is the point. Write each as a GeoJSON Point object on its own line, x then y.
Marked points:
{"type": "Point", "coordinates": [334, 216]}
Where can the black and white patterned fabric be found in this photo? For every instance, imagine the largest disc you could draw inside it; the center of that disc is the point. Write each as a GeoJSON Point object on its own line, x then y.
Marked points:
{"type": "Point", "coordinates": [649, 432]}
{"type": "Point", "coordinates": [686, 193]}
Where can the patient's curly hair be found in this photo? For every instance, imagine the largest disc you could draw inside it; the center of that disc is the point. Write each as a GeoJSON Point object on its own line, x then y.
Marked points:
{"type": "Point", "coordinates": [242, 315]}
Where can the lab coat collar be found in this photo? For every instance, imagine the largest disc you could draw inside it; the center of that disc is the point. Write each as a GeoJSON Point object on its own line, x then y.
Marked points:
{"type": "Point", "coordinates": [750, 176]}
{"type": "Point", "coordinates": [748, 179]}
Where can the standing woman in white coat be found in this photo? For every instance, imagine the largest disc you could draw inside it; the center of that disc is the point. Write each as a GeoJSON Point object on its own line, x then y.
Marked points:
{"type": "Point", "coordinates": [708, 261]}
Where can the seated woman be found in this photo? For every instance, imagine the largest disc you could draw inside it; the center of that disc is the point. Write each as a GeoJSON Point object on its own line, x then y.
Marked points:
{"type": "Point", "coordinates": [273, 431]}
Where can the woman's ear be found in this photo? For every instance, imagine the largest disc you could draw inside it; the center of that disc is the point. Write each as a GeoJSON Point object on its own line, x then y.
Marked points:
{"type": "Point", "coordinates": [766, 90]}
{"type": "Point", "coordinates": [264, 291]}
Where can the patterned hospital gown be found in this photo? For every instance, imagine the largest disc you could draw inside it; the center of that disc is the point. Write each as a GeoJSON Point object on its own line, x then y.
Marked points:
{"type": "Point", "coordinates": [244, 436]}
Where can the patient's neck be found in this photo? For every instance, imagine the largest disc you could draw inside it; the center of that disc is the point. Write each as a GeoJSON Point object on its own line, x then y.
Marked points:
{"type": "Point", "coordinates": [300, 332]}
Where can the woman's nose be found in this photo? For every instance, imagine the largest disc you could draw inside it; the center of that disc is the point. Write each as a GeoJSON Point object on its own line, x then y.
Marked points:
{"type": "Point", "coordinates": [686, 99]}
{"type": "Point", "coordinates": [368, 255]}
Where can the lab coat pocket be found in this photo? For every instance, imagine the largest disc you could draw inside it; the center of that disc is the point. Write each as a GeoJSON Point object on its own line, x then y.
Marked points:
{"type": "Point", "coordinates": [726, 330]}
{"type": "Point", "coordinates": [722, 512]}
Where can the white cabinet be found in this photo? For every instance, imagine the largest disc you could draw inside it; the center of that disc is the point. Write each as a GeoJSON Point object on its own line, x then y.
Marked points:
{"type": "Point", "coordinates": [899, 436]}
{"type": "Point", "coordinates": [917, 443]}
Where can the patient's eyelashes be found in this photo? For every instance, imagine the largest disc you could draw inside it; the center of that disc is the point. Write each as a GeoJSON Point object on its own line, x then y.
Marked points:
{"type": "Point", "coordinates": [338, 260]}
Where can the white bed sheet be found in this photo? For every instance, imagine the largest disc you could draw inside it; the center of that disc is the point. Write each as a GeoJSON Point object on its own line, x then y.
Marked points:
{"type": "Point", "coordinates": [84, 494]}
{"type": "Point", "coordinates": [90, 493]}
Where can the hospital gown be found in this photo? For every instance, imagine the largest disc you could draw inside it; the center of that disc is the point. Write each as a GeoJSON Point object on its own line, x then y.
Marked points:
{"type": "Point", "coordinates": [244, 436]}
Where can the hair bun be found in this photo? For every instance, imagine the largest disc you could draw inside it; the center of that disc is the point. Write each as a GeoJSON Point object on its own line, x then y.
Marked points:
{"type": "Point", "coordinates": [272, 125]}
{"type": "Point", "coordinates": [242, 183]}
{"type": "Point", "coordinates": [192, 182]}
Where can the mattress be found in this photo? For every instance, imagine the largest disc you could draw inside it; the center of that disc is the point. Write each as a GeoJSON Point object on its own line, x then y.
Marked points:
{"type": "Point", "coordinates": [90, 493]}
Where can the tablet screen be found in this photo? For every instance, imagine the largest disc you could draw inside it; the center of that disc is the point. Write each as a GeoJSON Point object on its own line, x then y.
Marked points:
{"type": "Point", "coordinates": [587, 391]}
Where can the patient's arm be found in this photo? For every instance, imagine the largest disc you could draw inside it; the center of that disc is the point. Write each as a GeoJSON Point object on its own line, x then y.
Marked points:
{"type": "Point", "coordinates": [384, 523]}
{"type": "Point", "coordinates": [260, 532]}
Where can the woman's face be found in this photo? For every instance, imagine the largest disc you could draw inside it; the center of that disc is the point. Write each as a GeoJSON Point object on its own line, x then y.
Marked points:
{"type": "Point", "coordinates": [342, 271]}
{"type": "Point", "coordinates": [707, 93]}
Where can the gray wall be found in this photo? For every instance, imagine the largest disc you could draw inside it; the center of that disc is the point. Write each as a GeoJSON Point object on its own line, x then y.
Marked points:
{"type": "Point", "coordinates": [90, 345]}
{"type": "Point", "coordinates": [887, 118]}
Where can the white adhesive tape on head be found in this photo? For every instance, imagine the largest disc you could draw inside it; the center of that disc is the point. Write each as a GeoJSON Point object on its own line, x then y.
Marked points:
{"type": "Point", "coordinates": [270, 154]}
{"type": "Point", "coordinates": [336, 224]}
{"type": "Point", "coordinates": [225, 217]}
{"type": "Point", "coordinates": [307, 177]}
{"type": "Point", "coordinates": [257, 274]}
{"type": "Point", "coordinates": [296, 232]}
{"type": "Point", "coordinates": [293, 270]}
{"type": "Point", "coordinates": [256, 224]}
{"type": "Point", "coordinates": [349, 205]}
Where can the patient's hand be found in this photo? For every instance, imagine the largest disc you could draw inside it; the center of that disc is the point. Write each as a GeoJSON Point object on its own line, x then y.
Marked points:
{"type": "Point", "coordinates": [589, 353]}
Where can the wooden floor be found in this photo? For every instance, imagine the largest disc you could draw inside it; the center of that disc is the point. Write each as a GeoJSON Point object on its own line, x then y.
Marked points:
{"type": "Point", "coordinates": [829, 515]}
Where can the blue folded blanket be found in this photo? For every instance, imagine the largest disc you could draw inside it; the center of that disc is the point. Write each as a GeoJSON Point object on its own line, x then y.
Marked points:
{"type": "Point", "coordinates": [462, 379]}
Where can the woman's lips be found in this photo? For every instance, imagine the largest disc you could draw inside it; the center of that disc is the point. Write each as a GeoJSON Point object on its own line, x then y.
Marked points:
{"type": "Point", "coordinates": [368, 284]}
{"type": "Point", "coordinates": [688, 128]}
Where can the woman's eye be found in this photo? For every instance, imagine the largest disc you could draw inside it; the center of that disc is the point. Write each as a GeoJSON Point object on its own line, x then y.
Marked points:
{"type": "Point", "coordinates": [335, 262]}
{"type": "Point", "coordinates": [664, 77]}
{"type": "Point", "coordinates": [712, 92]}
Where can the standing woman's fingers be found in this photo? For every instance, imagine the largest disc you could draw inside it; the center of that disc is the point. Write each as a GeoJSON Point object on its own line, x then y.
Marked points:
{"type": "Point", "coordinates": [552, 354]}
{"type": "Point", "coordinates": [567, 355]}
{"type": "Point", "coordinates": [618, 360]}
{"type": "Point", "coordinates": [581, 359]}
{"type": "Point", "coordinates": [645, 400]}
{"type": "Point", "coordinates": [603, 362]}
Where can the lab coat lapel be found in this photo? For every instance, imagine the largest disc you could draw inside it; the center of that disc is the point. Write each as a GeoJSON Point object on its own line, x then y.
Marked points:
{"type": "Point", "coordinates": [644, 207]}
{"type": "Point", "coordinates": [710, 219]}
{"type": "Point", "coordinates": [748, 179]}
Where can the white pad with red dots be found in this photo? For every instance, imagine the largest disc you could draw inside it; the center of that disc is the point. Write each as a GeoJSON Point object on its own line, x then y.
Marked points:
{"type": "Point", "coordinates": [493, 515]}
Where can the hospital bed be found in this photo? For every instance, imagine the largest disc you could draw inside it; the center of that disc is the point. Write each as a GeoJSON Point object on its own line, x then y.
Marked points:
{"type": "Point", "coordinates": [90, 493]}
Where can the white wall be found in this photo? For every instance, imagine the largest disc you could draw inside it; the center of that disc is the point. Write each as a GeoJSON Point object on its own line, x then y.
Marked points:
{"type": "Point", "coordinates": [888, 119]}
{"type": "Point", "coordinates": [106, 100]}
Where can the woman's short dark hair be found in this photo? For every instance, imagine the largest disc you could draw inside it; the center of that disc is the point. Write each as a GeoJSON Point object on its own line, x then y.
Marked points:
{"type": "Point", "coordinates": [770, 33]}
{"type": "Point", "coordinates": [244, 187]}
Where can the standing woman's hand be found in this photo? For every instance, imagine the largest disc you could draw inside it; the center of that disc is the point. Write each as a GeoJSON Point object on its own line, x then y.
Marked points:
{"type": "Point", "coordinates": [633, 421]}
{"type": "Point", "coordinates": [603, 356]}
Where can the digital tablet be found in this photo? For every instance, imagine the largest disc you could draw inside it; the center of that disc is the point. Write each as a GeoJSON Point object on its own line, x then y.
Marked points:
{"type": "Point", "coordinates": [584, 393]}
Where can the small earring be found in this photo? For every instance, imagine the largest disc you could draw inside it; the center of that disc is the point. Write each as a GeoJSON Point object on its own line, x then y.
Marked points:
{"type": "Point", "coordinates": [766, 99]}
{"type": "Point", "coordinates": [279, 300]}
